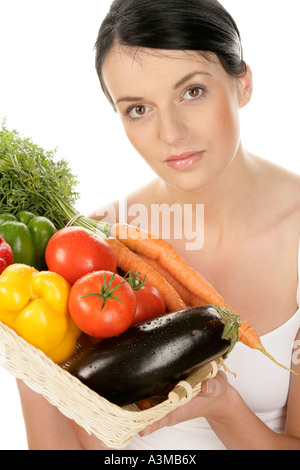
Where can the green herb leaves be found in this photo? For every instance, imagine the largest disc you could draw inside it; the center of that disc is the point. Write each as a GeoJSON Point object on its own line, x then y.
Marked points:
{"type": "Point", "coordinates": [31, 178]}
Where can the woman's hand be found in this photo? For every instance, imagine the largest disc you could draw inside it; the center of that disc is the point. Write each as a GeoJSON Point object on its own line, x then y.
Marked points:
{"type": "Point", "coordinates": [214, 401]}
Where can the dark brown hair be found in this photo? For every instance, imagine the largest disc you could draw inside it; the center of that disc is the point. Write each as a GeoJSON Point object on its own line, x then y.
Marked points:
{"type": "Point", "coordinates": [191, 25]}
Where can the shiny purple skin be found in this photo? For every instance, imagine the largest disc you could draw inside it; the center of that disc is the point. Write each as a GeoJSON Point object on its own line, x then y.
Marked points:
{"type": "Point", "coordinates": [150, 356]}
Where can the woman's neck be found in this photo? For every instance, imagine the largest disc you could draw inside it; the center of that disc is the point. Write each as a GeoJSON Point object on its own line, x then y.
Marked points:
{"type": "Point", "coordinates": [228, 201]}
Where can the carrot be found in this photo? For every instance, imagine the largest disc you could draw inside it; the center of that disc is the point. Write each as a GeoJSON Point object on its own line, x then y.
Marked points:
{"type": "Point", "coordinates": [145, 404]}
{"type": "Point", "coordinates": [126, 231]}
{"type": "Point", "coordinates": [249, 337]}
{"type": "Point", "coordinates": [142, 242]}
{"type": "Point", "coordinates": [188, 297]}
{"type": "Point", "coordinates": [127, 260]}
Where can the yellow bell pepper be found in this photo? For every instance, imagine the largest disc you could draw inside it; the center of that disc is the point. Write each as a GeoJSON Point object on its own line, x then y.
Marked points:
{"type": "Point", "coordinates": [35, 305]}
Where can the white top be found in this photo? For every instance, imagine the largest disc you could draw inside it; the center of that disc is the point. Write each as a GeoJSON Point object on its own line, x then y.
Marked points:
{"type": "Point", "coordinates": [263, 385]}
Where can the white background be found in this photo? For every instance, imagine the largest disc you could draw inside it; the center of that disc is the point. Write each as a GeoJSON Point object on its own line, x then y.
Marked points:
{"type": "Point", "coordinates": [49, 91]}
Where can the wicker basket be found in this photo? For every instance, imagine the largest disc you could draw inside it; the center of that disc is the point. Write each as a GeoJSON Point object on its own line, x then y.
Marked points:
{"type": "Point", "coordinates": [113, 425]}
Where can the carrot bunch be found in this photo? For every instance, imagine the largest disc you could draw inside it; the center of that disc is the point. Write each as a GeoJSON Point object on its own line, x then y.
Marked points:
{"type": "Point", "coordinates": [141, 251]}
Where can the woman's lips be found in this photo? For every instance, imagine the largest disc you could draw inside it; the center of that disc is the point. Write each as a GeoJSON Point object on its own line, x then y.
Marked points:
{"type": "Point", "coordinates": [184, 161]}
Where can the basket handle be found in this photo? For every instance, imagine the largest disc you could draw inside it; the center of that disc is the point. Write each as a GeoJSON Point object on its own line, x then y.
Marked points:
{"type": "Point", "coordinates": [185, 390]}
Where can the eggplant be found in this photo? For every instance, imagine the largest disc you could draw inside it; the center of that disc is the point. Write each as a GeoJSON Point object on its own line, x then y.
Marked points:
{"type": "Point", "coordinates": [150, 356]}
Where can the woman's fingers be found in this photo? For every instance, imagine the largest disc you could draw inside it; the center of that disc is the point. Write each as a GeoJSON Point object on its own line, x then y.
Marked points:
{"type": "Point", "coordinates": [199, 406]}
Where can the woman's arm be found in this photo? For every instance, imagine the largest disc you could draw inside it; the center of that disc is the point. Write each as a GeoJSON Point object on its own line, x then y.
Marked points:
{"type": "Point", "coordinates": [293, 412]}
{"type": "Point", "coordinates": [46, 427]}
{"type": "Point", "coordinates": [243, 430]}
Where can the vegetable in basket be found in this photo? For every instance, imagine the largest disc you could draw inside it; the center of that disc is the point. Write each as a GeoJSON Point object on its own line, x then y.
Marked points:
{"type": "Point", "coordinates": [35, 305]}
{"type": "Point", "coordinates": [6, 255]}
{"type": "Point", "coordinates": [75, 251]}
{"type": "Point", "coordinates": [154, 354]}
{"type": "Point", "coordinates": [28, 235]}
{"type": "Point", "coordinates": [102, 304]}
{"type": "Point", "coordinates": [149, 301]}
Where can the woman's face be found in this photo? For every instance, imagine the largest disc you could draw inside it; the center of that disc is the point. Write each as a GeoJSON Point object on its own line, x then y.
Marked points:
{"type": "Point", "coordinates": [179, 111]}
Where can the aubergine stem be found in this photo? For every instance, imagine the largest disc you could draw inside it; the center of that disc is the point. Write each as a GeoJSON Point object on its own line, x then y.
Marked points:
{"type": "Point", "coordinates": [232, 324]}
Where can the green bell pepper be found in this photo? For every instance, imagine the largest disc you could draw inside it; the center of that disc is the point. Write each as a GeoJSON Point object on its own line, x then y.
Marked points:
{"type": "Point", "coordinates": [28, 235]}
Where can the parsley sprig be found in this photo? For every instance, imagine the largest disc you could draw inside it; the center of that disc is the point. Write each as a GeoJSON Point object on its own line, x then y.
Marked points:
{"type": "Point", "coordinates": [35, 180]}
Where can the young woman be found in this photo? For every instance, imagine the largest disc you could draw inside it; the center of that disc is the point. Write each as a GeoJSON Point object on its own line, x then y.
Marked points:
{"type": "Point", "coordinates": [174, 72]}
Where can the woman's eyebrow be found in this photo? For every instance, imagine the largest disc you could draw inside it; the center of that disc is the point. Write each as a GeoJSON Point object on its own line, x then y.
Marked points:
{"type": "Point", "coordinates": [183, 80]}
{"type": "Point", "coordinates": [188, 77]}
{"type": "Point", "coordinates": [129, 98]}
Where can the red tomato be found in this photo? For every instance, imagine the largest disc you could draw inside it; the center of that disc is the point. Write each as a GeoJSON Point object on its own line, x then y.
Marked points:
{"type": "Point", "coordinates": [149, 303]}
{"type": "Point", "coordinates": [73, 252]}
{"type": "Point", "coordinates": [93, 315]}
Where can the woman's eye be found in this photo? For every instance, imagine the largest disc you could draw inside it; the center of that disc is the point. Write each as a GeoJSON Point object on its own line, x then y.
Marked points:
{"type": "Point", "coordinates": [136, 112]}
{"type": "Point", "coordinates": [193, 92]}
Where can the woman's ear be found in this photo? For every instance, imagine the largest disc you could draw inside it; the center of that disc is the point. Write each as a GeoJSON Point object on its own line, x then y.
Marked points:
{"type": "Point", "coordinates": [245, 86]}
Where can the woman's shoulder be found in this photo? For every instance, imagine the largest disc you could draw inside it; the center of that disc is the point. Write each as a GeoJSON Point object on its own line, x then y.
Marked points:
{"type": "Point", "coordinates": [275, 173]}
{"type": "Point", "coordinates": [281, 189]}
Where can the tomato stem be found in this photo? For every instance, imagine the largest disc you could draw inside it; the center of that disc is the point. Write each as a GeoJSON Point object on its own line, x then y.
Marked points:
{"type": "Point", "coordinates": [134, 280]}
{"type": "Point", "coordinates": [106, 293]}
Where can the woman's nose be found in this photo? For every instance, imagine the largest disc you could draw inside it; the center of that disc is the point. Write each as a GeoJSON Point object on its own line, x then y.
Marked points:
{"type": "Point", "coordinates": [172, 127]}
